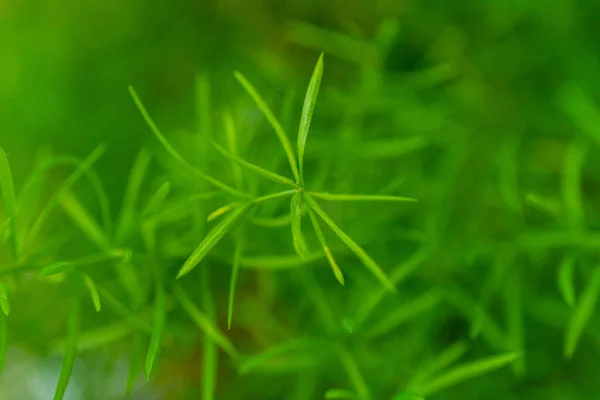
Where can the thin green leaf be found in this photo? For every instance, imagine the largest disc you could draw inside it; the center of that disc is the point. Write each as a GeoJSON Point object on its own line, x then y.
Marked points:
{"type": "Point", "coordinates": [290, 349]}
{"type": "Point", "coordinates": [254, 168]}
{"type": "Point", "coordinates": [271, 222]}
{"type": "Point", "coordinates": [337, 272]}
{"type": "Point", "coordinates": [135, 363]}
{"type": "Point", "coordinates": [371, 265]}
{"type": "Point", "coordinates": [582, 109]}
{"type": "Point", "coordinates": [272, 120]}
{"type": "Point", "coordinates": [121, 309]}
{"type": "Point", "coordinates": [4, 302]}
{"type": "Point", "coordinates": [9, 200]}
{"type": "Point", "coordinates": [515, 332]}
{"type": "Point", "coordinates": [158, 329]}
{"type": "Point", "coordinates": [157, 200]}
{"type": "Point", "coordinates": [566, 285]}
{"type": "Point", "coordinates": [57, 268]}
{"type": "Point", "coordinates": [33, 185]}
{"type": "Point", "coordinates": [126, 219]}
{"type": "Point", "coordinates": [398, 274]}
{"type": "Point", "coordinates": [359, 197]}
{"type": "Point", "coordinates": [3, 340]}
{"type": "Point", "coordinates": [93, 291]}
{"type": "Point", "coordinates": [571, 183]}
{"type": "Point", "coordinates": [272, 196]}
{"type": "Point", "coordinates": [340, 394]}
{"type": "Point", "coordinates": [231, 136]}
{"type": "Point", "coordinates": [82, 169]}
{"type": "Point", "coordinates": [408, 396]}
{"type": "Point", "coordinates": [213, 237]}
{"type": "Point", "coordinates": [70, 350]}
{"type": "Point", "coordinates": [220, 211]}
{"type": "Point", "coordinates": [582, 313]}
{"type": "Point", "coordinates": [163, 141]}
{"type": "Point", "coordinates": [467, 371]}
{"type": "Point", "coordinates": [296, 220]}
{"type": "Point", "coordinates": [308, 109]}
{"type": "Point", "coordinates": [412, 309]}
{"type": "Point", "coordinates": [447, 357]}
{"type": "Point", "coordinates": [209, 378]}
{"type": "Point", "coordinates": [204, 323]}
{"type": "Point", "coordinates": [354, 374]}
{"type": "Point", "coordinates": [235, 268]}
{"type": "Point", "coordinates": [82, 218]}
{"type": "Point", "coordinates": [279, 262]}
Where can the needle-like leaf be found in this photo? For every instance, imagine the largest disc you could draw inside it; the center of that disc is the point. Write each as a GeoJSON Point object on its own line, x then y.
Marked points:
{"type": "Point", "coordinates": [9, 200]}
{"type": "Point", "coordinates": [235, 268]}
{"type": "Point", "coordinates": [359, 197]}
{"type": "Point", "coordinates": [287, 147]}
{"type": "Point", "coordinates": [582, 313]}
{"type": "Point", "coordinates": [467, 371]}
{"type": "Point", "coordinates": [126, 219]}
{"type": "Point", "coordinates": [337, 272]}
{"type": "Point", "coordinates": [213, 237]}
{"type": "Point", "coordinates": [163, 141]}
{"type": "Point", "coordinates": [254, 168]}
{"type": "Point", "coordinates": [371, 265]}
{"type": "Point", "coordinates": [565, 279]}
{"type": "Point", "coordinates": [82, 218]}
{"type": "Point", "coordinates": [204, 323]}
{"type": "Point", "coordinates": [4, 302]}
{"type": "Point", "coordinates": [82, 169]}
{"type": "Point", "coordinates": [93, 291]}
{"type": "Point", "coordinates": [296, 218]}
{"type": "Point", "coordinates": [158, 329]}
{"type": "Point", "coordinates": [307, 113]}
{"type": "Point", "coordinates": [339, 394]}
{"type": "Point", "coordinates": [70, 349]}
{"type": "Point", "coordinates": [3, 340]}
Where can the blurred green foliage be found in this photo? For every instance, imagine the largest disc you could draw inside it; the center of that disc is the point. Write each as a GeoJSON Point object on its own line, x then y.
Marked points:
{"type": "Point", "coordinates": [488, 113]}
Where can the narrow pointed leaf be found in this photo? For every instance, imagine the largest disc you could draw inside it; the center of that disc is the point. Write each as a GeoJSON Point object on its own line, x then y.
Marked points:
{"type": "Point", "coordinates": [126, 220]}
{"type": "Point", "coordinates": [337, 272]}
{"type": "Point", "coordinates": [467, 372]}
{"type": "Point", "coordinates": [57, 268]}
{"type": "Point", "coordinates": [359, 197]}
{"type": "Point", "coordinates": [220, 211]}
{"type": "Point", "coordinates": [264, 108]}
{"type": "Point", "coordinates": [371, 265]}
{"type": "Point", "coordinates": [235, 269]}
{"type": "Point", "coordinates": [412, 309]}
{"type": "Point", "coordinates": [565, 279]}
{"type": "Point", "coordinates": [4, 302]}
{"type": "Point", "coordinates": [289, 349]}
{"type": "Point", "coordinates": [582, 313]}
{"type": "Point", "coordinates": [446, 358]}
{"type": "Point", "coordinates": [308, 109]}
{"type": "Point", "coordinates": [296, 217]}
{"type": "Point", "coordinates": [93, 291]}
{"type": "Point", "coordinates": [213, 237]}
{"type": "Point", "coordinates": [231, 136]}
{"type": "Point", "coordinates": [171, 150]}
{"type": "Point", "coordinates": [254, 168]}
{"type": "Point", "coordinates": [157, 199]}
{"type": "Point", "coordinates": [3, 340]}
{"type": "Point", "coordinates": [9, 200]}
{"type": "Point", "coordinates": [135, 363]}
{"type": "Point", "coordinates": [70, 350]}
{"type": "Point", "coordinates": [340, 394]}
{"type": "Point", "coordinates": [82, 218]}
{"type": "Point", "coordinates": [204, 323]}
{"type": "Point", "coordinates": [81, 169]}
{"type": "Point", "coordinates": [354, 374]}
{"type": "Point", "coordinates": [209, 359]}
{"type": "Point", "coordinates": [158, 329]}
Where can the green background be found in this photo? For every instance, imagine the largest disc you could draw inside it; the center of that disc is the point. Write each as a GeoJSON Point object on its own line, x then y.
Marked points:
{"type": "Point", "coordinates": [487, 112]}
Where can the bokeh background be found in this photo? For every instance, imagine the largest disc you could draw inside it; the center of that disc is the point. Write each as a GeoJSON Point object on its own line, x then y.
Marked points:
{"type": "Point", "coordinates": [488, 112]}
